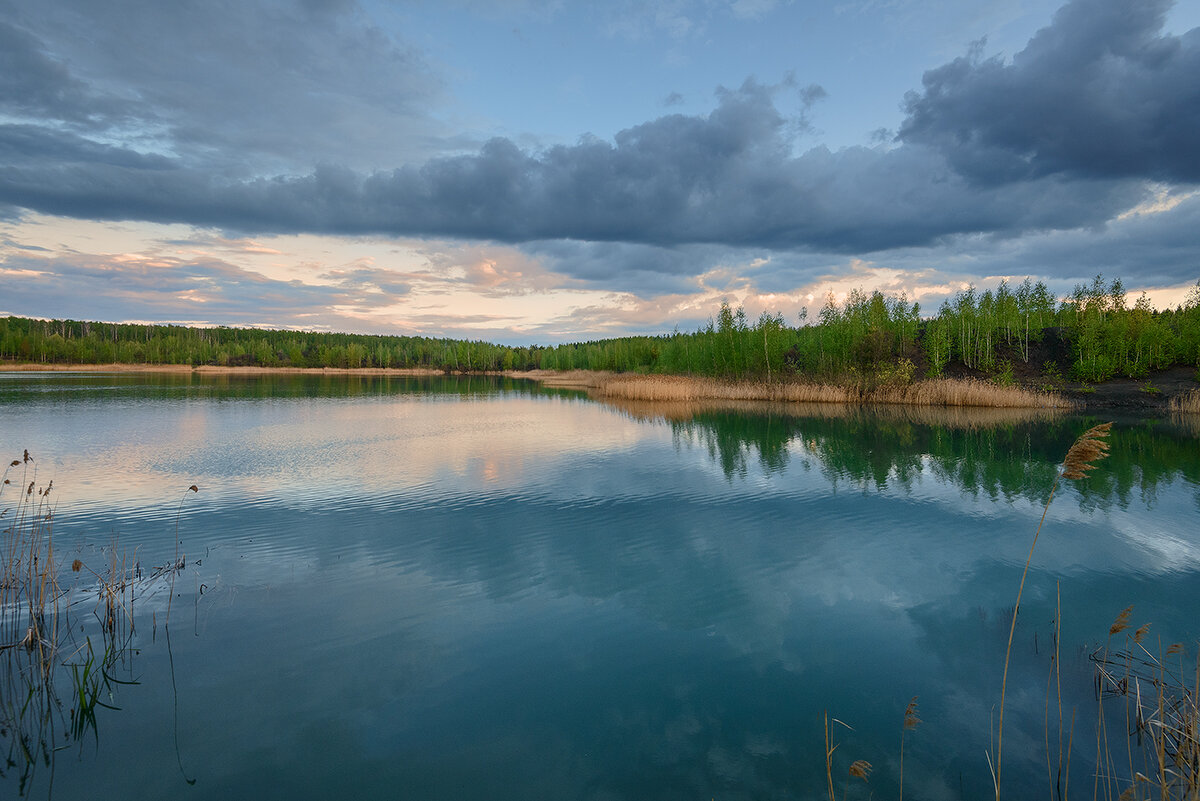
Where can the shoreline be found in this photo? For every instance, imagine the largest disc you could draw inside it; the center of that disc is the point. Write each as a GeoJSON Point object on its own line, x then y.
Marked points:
{"type": "Point", "coordinates": [210, 369]}
{"type": "Point", "coordinates": [1119, 394]}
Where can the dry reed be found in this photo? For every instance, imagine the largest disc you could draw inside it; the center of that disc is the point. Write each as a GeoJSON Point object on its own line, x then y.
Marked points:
{"type": "Point", "coordinates": [574, 379]}
{"type": "Point", "coordinates": [685, 388]}
{"type": "Point", "coordinates": [1162, 717]}
{"type": "Point", "coordinates": [1187, 403]}
{"type": "Point", "coordinates": [861, 769]}
{"type": "Point", "coordinates": [30, 631]}
{"type": "Point", "coordinates": [28, 582]}
{"type": "Point", "coordinates": [935, 392]}
{"type": "Point", "coordinates": [830, 747]}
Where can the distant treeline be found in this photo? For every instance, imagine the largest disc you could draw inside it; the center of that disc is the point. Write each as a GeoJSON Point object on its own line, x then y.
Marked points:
{"type": "Point", "coordinates": [871, 336]}
{"type": "Point", "coordinates": [74, 342]}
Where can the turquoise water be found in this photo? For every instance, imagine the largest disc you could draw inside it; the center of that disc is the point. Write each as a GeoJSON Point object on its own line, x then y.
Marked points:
{"type": "Point", "coordinates": [475, 588]}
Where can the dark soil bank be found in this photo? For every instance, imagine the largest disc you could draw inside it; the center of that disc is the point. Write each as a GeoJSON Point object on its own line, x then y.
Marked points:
{"type": "Point", "coordinates": [1150, 394]}
{"type": "Point", "coordinates": [1050, 360]}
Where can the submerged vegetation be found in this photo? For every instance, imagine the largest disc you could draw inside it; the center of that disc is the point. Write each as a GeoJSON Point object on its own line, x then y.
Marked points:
{"type": "Point", "coordinates": [864, 340]}
{"type": "Point", "coordinates": [53, 678]}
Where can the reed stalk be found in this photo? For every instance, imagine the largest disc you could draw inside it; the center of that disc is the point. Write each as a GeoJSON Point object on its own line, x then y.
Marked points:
{"type": "Point", "coordinates": [1091, 446]}
{"type": "Point", "coordinates": [829, 749]}
{"type": "Point", "coordinates": [859, 768]}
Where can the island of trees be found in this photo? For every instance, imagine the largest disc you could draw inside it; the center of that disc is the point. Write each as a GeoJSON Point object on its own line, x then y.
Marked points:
{"type": "Point", "coordinates": [1011, 332]}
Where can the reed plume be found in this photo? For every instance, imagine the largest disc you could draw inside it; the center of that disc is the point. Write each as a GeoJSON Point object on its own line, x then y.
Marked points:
{"type": "Point", "coordinates": [1091, 446]}
{"type": "Point", "coordinates": [1122, 621]}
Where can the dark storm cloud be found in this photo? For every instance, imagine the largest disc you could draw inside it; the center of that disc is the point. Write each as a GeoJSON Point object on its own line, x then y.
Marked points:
{"type": "Point", "coordinates": [33, 83]}
{"type": "Point", "coordinates": [988, 148]}
{"type": "Point", "coordinates": [726, 178]}
{"type": "Point", "coordinates": [33, 143]}
{"type": "Point", "coordinates": [1097, 94]}
{"type": "Point", "coordinates": [1159, 249]}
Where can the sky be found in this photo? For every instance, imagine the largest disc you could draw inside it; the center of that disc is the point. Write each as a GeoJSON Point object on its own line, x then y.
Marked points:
{"type": "Point", "coordinates": [541, 171]}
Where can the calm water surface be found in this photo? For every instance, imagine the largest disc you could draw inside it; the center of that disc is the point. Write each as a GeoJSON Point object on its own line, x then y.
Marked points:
{"type": "Point", "coordinates": [475, 588]}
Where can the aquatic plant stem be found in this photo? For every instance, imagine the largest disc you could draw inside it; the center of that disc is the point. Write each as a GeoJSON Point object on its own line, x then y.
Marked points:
{"type": "Point", "coordinates": [829, 760]}
{"type": "Point", "coordinates": [175, 699]}
{"type": "Point", "coordinates": [1012, 630]}
{"type": "Point", "coordinates": [176, 566]}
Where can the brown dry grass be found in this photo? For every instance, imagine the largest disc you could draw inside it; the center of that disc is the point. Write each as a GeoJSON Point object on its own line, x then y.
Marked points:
{"type": "Point", "coordinates": [573, 379]}
{"type": "Point", "coordinates": [685, 388]}
{"type": "Point", "coordinates": [951, 417]}
{"type": "Point", "coordinates": [952, 392]}
{"type": "Point", "coordinates": [936, 392]}
{"type": "Point", "coordinates": [1187, 403]}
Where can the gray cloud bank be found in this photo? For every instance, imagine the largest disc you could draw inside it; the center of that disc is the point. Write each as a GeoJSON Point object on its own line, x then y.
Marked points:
{"type": "Point", "coordinates": [1065, 136]}
{"type": "Point", "coordinates": [233, 89]}
{"type": "Point", "coordinates": [1098, 94]}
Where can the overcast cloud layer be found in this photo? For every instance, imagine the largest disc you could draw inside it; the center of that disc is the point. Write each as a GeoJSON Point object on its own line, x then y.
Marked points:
{"type": "Point", "coordinates": [278, 118]}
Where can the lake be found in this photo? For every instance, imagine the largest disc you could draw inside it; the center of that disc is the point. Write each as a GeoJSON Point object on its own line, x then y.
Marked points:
{"type": "Point", "coordinates": [461, 588]}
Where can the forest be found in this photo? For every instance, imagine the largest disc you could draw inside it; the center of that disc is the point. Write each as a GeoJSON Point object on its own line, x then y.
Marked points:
{"type": "Point", "coordinates": [865, 336]}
